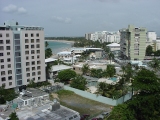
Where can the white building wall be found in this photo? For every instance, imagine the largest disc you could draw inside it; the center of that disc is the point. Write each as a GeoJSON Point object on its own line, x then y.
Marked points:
{"type": "Point", "coordinates": [7, 76]}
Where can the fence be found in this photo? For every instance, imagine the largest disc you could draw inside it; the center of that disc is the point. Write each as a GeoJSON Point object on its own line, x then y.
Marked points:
{"type": "Point", "coordinates": [98, 98]}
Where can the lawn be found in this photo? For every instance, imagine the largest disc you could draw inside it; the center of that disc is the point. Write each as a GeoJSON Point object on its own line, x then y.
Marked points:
{"type": "Point", "coordinates": [81, 104]}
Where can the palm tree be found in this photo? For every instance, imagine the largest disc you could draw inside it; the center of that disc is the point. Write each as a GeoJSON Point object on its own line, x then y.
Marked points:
{"type": "Point", "coordinates": [110, 56]}
{"type": "Point", "coordinates": [102, 88]}
{"type": "Point", "coordinates": [85, 69]}
{"type": "Point", "coordinates": [110, 70]}
{"type": "Point", "coordinates": [48, 51]}
{"type": "Point", "coordinates": [154, 64]}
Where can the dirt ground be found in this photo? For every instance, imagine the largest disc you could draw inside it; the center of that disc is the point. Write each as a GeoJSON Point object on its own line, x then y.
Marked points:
{"type": "Point", "coordinates": [83, 105]}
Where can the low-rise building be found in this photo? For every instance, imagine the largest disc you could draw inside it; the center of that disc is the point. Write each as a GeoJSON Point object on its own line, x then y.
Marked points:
{"type": "Point", "coordinates": [113, 46]}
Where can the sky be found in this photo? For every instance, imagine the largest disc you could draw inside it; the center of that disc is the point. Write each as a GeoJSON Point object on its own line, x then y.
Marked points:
{"type": "Point", "coordinates": [77, 17]}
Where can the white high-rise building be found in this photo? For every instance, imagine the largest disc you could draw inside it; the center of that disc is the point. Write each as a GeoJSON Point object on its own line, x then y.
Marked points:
{"type": "Point", "coordinates": [21, 54]}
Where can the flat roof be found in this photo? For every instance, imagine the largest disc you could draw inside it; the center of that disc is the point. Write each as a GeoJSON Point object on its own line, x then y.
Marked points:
{"type": "Point", "coordinates": [50, 60]}
{"type": "Point", "coordinates": [43, 113]}
{"type": "Point", "coordinates": [34, 93]}
{"type": "Point", "coordinates": [60, 67]}
{"type": "Point", "coordinates": [113, 44]}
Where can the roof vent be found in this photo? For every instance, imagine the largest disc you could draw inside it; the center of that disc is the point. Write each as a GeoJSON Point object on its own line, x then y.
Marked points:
{"type": "Point", "coordinates": [55, 106]}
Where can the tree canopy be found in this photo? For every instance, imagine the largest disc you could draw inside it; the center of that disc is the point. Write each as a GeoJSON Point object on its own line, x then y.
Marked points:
{"type": "Point", "coordinates": [145, 103]}
{"type": "Point", "coordinates": [110, 71]}
{"type": "Point", "coordinates": [79, 82]}
{"type": "Point", "coordinates": [149, 50]}
{"type": "Point", "coordinates": [6, 94]}
{"type": "Point", "coordinates": [48, 51]}
{"type": "Point", "coordinates": [13, 116]}
{"type": "Point", "coordinates": [66, 75]}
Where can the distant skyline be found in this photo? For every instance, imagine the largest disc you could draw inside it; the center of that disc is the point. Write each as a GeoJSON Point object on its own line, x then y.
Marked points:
{"type": "Point", "coordinates": [77, 17]}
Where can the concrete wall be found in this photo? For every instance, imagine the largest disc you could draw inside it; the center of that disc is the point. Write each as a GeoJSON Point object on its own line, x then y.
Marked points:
{"type": "Point", "coordinates": [101, 99]}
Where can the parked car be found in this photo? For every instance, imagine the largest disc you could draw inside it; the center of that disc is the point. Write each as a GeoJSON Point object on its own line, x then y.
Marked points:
{"type": "Point", "coordinates": [105, 114]}
{"type": "Point", "coordinates": [84, 117]}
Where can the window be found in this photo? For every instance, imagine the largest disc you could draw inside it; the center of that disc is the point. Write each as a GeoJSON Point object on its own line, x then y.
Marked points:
{"type": "Point", "coordinates": [1, 60]}
{"type": "Point", "coordinates": [39, 72]}
{"type": "Point", "coordinates": [9, 71]}
{"type": "Point", "coordinates": [37, 40]}
{"type": "Point", "coordinates": [32, 40]}
{"type": "Point", "coordinates": [38, 51]}
{"type": "Point", "coordinates": [33, 74]}
{"type": "Point", "coordinates": [1, 41]}
{"type": "Point", "coordinates": [26, 46]}
{"type": "Point", "coordinates": [32, 35]}
{"type": "Point", "coordinates": [32, 51]}
{"type": "Point", "coordinates": [37, 56]}
{"type": "Point", "coordinates": [10, 78]}
{"type": "Point", "coordinates": [28, 80]}
{"type": "Point", "coordinates": [39, 78]}
{"type": "Point", "coordinates": [18, 59]}
{"type": "Point", "coordinates": [19, 82]}
{"type": "Point", "coordinates": [38, 46]}
{"type": "Point", "coordinates": [33, 62]}
{"type": "Point", "coordinates": [1, 54]}
{"type": "Point", "coordinates": [27, 57]}
{"type": "Point", "coordinates": [8, 47]}
{"type": "Point", "coordinates": [17, 36]}
{"type": "Point", "coordinates": [39, 67]}
{"type": "Point", "coordinates": [7, 41]}
{"type": "Point", "coordinates": [18, 54]}
{"type": "Point", "coordinates": [10, 83]}
{"type": "Point", "coordinates": [37, 35]}
{"type": "Point", "coordinates": [2, 66]}
{"type": "Point", "coordinates": [0, 35]}
{"type": "Point", "coordinates": [18, 65]}
{"type": "Point", "coordinates": [1, 48]}
{"type": "Point", "coordinates": [26, 41]}
{"type": "Point", "coordinates": [38, 62]}
{"type": "Point", "coordinates": [17, 47]}
{"type": "Point", "coordinates": [33, 68]}
{"type": "Point", "coordinates": [28, 74]}
{"type": "Point", "coordinates": [27, 63]}
{"type": "Point", "coordinates": [18, 71]}
{"type": "Point", "coordinates": [7, 35]}
{"type": "Point", "coordinates": [26, 52]}
{"type": "Point", "coordinates": [9, 65]}
{"type": "Point", "coordinates": [8, 60]}
{"type": "Point", "coordinates": [33, 79]}
{"type": "Point", "coordinates": [3, 73]}
{"type": "Point", "coordinates": [27, 69]}
{"type": "Point", "coordinates": [8, 53]}
{"type": "Point", "coordinates": [3, 79]}
{"type": "Point", "coordinates": [32, 46]}
{"type": "Point", "coordinates": [32, 57]}
{"type": "Point", "coordinates": [26, 35]}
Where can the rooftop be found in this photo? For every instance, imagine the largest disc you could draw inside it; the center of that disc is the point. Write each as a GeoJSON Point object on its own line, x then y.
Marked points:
{"type": "Point", "coordinates": [50, 60]}
{"type": "Point", "coordinates": [32, 93]}
{"type": "Point", "coordinates": [60, 67]}
{"type": "Point", "coordinates": [113, 44]}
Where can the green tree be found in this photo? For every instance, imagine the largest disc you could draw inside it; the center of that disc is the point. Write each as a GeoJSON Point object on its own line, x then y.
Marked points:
{"type": "Point", "coordinates": [48, 51]}
{"type": "Point", "coordinates": [121, 112]}
{"type": "Point", "coordinates": [110, 70]}
{"type": "Point", "coordinates": [149, 50]}
{"type": "Point", "coordinates": [110, 56]}
{"type": "Point", "coordinates": [102, 88]}
{"type": "Point", "coordinates": [79, 82]}
{"type": "Point", "coordinates": [32, 84]}
{"type": "Point", "coordinates": [154, 64]}
{"type": "Point", "coordinates": [13, 116]}
{"type": "Point", "coordinates": [85, 69]}
{"type": "Point", "coordinates": [66, 75]}
{"type": "Point", "coordinates": [6, 94]}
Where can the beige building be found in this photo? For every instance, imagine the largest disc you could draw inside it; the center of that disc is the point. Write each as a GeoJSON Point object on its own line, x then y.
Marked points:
{"type": "Point", "coordinates": [133, 43]}
{"type": "Point", "coordinates": [21, 54]}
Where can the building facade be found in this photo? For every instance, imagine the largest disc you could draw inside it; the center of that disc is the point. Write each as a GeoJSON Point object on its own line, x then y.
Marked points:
{"type": "Point", "coordinates": [21, 54]}
{"type": "Point", "coordinates": [133, 43]}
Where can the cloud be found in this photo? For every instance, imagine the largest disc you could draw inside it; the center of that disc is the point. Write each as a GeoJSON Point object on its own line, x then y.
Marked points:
{"type": "Point", "coordinates": [22, 10]}
{"type": "Point", "coordinates": [60, 19]}
{"type": "Point", "coordinates": [10, 8]}
{"type": "Point", "coordinates": [14, 9]}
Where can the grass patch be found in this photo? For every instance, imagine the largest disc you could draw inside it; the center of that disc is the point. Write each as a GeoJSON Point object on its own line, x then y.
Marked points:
{"type": "Point", "coordinates": [81, 104]}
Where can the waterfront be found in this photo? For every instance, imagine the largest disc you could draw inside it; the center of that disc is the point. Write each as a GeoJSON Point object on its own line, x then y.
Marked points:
{"type": "Point", "coordinates": [58, 46]}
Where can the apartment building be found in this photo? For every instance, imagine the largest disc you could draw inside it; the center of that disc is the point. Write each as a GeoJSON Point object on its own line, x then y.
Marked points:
{"type": "Point", "coordinates": [21, 54]}
{"type": "Point", "coordinates": [133, 43]}
{"type": "Point", "coordinates": [104, 36]}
